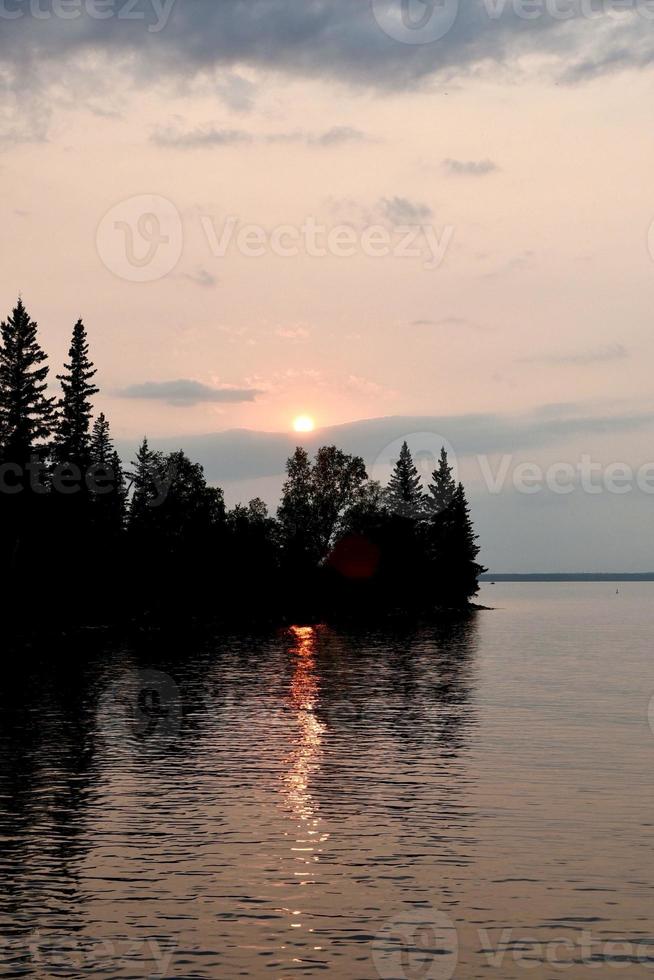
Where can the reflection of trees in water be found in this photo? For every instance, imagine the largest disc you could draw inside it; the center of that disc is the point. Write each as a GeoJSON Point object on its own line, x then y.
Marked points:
{"type": "Point", "coordinates": [46, 779]}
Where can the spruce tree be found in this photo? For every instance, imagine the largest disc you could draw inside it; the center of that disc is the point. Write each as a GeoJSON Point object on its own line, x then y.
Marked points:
{"type": "Point", "coordinates": [109, 505]}
{"type": "Point", "coordinates": [404, 494]}
{"type": "Point", "coordinates": [73, 438]}
{"type": "Point", "coordinates": [456, 551]}
{"type": "Point", "coordinates": [26, 412]}
{"type": "Point", "coordinates": [146, 465]}
{"type": "Point", "coordinates": [102, 446]}
{"type": "Point", "coordinates": [442, 488]}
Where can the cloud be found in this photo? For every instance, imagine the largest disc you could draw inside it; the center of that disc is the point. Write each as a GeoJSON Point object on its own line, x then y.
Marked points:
{"type": "Point", "coordinates": [600, 355]}
{"type": "Point", "coordinates": [402, 211]}
{"type": "Point", "coordinates": [244, 454]}
{"type": "Point", "coordinates": [200, 137]}
{"type": "Point", "coordinates": [447, 321]}
{"type": "Point", "coordinates": [293, 333]}
{"type": "Point", "coordinates": [340, 39]}
{"type": "Point", "coordinates": [209, 135]}
{"type": "Point", "coordinates": [202, 278]}
{"type": "Point", "coordinates": [236, 92]}
{"type": "Point", "coordinates": [518, 263]}
{"type": "Point", "coordinates": [469, 168]}
{"type": "Point", "coordinates": [341, 134]}
{"type": "Point", "coordinates": [185, 392]}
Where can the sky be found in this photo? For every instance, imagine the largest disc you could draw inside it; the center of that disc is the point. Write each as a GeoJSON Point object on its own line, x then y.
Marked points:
{"type": "Point", "coordinates": [431, 216]}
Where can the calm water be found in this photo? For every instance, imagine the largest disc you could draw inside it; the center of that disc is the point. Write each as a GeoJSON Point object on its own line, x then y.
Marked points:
{"type": "Point", "coordinates": [468, 801]}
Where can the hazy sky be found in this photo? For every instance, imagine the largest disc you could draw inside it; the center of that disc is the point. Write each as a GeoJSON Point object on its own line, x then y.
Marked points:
{"type": "Point", "coordinates": [513, 154]}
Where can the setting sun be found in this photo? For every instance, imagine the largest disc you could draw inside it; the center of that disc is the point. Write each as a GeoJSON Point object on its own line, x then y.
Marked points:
{"type": "Point", "coordinates": [304, 423]}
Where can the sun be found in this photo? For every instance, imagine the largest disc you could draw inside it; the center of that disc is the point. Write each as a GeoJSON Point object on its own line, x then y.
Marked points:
{"type": "Point", "coordinates": [304, 423]}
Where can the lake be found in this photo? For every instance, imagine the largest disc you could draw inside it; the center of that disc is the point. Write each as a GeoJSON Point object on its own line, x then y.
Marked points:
{"type": "Point", "coordinates": [472, 799]}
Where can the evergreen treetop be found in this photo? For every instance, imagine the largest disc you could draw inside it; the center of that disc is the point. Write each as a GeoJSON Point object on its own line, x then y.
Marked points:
{"type": "Point", "coordinates": [27, 414]}
{"type": "Point", "coordinates": [73, 439]}
{"type": "Point", "coordinates": [404, 494]}
{"type": "Point", "coordinates": [442, 488]}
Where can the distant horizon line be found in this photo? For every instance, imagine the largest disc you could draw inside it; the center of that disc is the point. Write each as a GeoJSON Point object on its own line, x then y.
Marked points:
{"type": "Point", "coordinates": [567, 577]}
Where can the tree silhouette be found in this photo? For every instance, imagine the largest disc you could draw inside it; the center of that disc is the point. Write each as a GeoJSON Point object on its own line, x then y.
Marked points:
{"type": "Point", "coordinates": [110, 499]}
{"type": "Point", "coordinates": [148, 467]}
{"type": "Point", "coordinates": [404, 494]}
{"type": "Point", "coordinates": [442, 488]}
{"type": "Point", "coordinates": [296, 514]}
{"type": "Point", "coordinates": [26, 413]}
{"type": "Point", "coordinates": [336, 482]}
{"type": "Point", "coordinates": [166, 548]}
{"type": "Point", "coordinates": [102, 447]}
{"type": "Point", "coordinates": [72, 444]}
{"type": "Point", "coordinates": [454, 552]}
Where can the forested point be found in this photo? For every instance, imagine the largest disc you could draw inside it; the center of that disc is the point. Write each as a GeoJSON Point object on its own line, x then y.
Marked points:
{"type": "Point", "coordinates": [87, 542]}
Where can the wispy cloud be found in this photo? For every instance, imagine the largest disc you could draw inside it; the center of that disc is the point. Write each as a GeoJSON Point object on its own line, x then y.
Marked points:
{"type": "Point", "coordinates": [209, 135]}
{"type": "Point", "coordinates": [293, 333]}
{"type": "Point", "coordinates": [598, 355]}
{"type": "Point", "coordinates": [200, 137]}
{"type": "Point", "coordinates": [202, 277]}
{"type": "Point", "coordinates": [340, 134]}
{"type": "Point", "coordinates": [469, 168]}
{"type": "Point", "coordinates": [402, 211]}
{"type": "Point", "coordinates": [447, 321]}
{"type": "Point", "coordinates": [184, 392]}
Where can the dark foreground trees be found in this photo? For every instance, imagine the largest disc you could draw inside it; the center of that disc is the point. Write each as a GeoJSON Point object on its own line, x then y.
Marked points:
{"type": "Point", "coordinates": [84, 542]}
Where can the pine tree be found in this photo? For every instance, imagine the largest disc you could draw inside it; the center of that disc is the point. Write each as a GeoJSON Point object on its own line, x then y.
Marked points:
{"type": "Point", "coordinates": [73, 440]}
{"type": "Point", "coordinates": [404, 494]}
{"type": "Point", "coordinates": [145, 467]}
{"type": "Point", "coordinates": [442, 488]}
{"type": "Point", "coordinates": [455, 552]}
{"type": "Point", "coordinates": [102, 446]}
{"type": "Point", "coordinates": [26, 412]}
{"type": "Point", "coordinates": [110, 503]}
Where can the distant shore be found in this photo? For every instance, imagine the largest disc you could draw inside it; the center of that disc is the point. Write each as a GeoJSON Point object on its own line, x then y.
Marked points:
{"type": "Point", "coordinates": [568, 577]}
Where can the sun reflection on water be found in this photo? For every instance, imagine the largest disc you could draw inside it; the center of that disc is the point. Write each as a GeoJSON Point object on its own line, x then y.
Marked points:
{"type": "Point", "coordinates": [303, 761]}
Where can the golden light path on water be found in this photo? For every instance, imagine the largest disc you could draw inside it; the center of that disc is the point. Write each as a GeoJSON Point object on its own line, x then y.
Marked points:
{"type": "Point", "coordinates": [303, 761]}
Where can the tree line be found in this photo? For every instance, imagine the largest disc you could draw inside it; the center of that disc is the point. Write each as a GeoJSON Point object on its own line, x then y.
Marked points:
{"type": "Point", "coordinates": [85, 541]}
